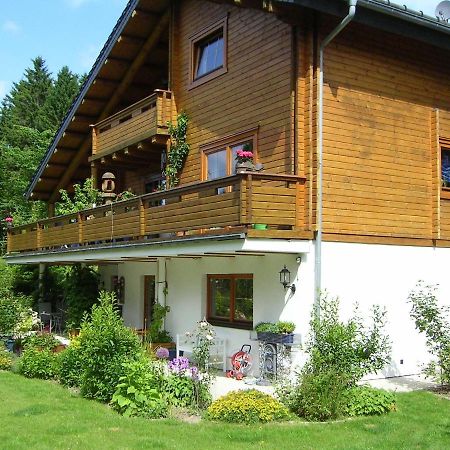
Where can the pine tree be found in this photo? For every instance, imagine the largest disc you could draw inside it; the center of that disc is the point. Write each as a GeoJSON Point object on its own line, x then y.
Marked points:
{"type": "Point", "coordinates": [60, 97]}
{"type": "Point", "coordinates": [24, 104]}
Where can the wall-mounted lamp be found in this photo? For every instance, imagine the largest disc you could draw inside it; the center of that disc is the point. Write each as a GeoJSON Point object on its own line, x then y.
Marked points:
{"type": "Point", "coordinates": [285, 279]}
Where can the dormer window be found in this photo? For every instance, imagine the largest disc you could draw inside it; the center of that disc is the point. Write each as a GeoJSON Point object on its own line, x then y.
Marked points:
{"type": "Point", "coordinates": [208, 53]}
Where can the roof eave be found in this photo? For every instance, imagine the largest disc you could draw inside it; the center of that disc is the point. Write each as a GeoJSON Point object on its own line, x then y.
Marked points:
{"type": "Point", "coordinates": [116, 32]}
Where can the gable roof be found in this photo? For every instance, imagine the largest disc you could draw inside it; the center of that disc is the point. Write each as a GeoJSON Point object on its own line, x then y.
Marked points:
{"type": "Point", "coordinates": [140, 20]}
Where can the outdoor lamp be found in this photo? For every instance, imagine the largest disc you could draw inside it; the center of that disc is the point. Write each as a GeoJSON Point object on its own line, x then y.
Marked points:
{"type": "Point", "coordinates": [285, 279]}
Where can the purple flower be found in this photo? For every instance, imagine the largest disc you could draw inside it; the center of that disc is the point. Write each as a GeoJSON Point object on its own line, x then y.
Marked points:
{"type": "Point", "coordinates": [162, 353]}
{"type": "Point", "coordinates": [178, 365]}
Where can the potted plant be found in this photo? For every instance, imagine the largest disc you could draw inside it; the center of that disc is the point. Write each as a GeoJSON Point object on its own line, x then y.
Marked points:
{"type": "Point", "coordinates": [280, 332]}
{"type": "Point", "coordinates": [155, 336]}
{"type": "Point", "coordinates": [244, 159]}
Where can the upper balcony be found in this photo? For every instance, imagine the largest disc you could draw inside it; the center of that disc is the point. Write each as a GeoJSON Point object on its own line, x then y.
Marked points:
{"type": "Point", "coordinates": [145, 120]}
{"type": "Point", "coordinates": [218, 207]}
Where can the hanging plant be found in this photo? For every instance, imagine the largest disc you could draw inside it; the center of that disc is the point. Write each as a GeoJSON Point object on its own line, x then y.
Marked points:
{"type": "Point", "coordinates": [178, 150]}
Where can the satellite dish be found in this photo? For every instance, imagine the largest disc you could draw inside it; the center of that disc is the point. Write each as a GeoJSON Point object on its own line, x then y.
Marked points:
{"type": "Point", "coordinates": [442, 11]}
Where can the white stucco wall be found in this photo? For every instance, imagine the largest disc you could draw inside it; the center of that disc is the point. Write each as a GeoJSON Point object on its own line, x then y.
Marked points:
{"type": "Point", "coordinates": [385, 274]}
{"type": "Point", "coordinates": [186, 297]}
{"type": "Point", "coordinates": [367, 274]}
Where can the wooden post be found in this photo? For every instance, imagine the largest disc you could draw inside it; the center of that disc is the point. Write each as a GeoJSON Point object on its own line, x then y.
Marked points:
{"type": "Point", "coordinates": [249, 198]}
{"type": "Point", "coordinates": [141, 218]}
{"type": "Point", "coordinates": [94, 140]}
{"type": "Point", "coordinates": [9, 236]}
{"type": "Point", "coordinates": [298, 211]}
{"type": "Point", "coordinates": [38, 236]}
{"type": "Point", "coordinates": [51, 209]}
{"type": "Point", "coordinates": [80, 228]}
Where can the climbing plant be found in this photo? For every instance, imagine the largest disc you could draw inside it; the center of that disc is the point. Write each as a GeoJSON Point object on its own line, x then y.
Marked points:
{"type": "Point", "coordinates": [178, 150]}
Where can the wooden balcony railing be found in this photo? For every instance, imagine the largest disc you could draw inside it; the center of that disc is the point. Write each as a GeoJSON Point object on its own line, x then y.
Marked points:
{"type": "Point", "coordinates": [143, 120]}
{"type": "Point", "coordinates": [210, 206]}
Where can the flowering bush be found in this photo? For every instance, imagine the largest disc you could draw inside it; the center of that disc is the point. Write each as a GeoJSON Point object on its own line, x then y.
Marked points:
{"type": "Point", "coordinates": [249, 406]}
{"type": "Point", "coordinates": [5, 359]}
{"type": "Point", "coordinates": [243, 155]}
{"type": "Point", "coordinates": [185, 385]}
{"type": "Point", "coordinates": [162, 353]}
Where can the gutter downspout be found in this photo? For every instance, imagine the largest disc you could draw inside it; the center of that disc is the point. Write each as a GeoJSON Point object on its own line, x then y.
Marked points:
{"type": "Point", "coordinates": [319, 213]}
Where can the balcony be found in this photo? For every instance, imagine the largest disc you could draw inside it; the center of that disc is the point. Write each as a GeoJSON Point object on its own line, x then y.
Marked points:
{"type": "Point", "coordinates": [142, 121]}
{"type": "Point", "coordinates": [195, 209]}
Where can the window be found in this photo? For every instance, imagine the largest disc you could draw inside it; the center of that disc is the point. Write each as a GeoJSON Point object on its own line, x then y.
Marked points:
{"type": "Point", "coordinates": [208, 53]}
{"type": "Point", "coordinates": [445, 167]}
{"type": "Point", "coordinates": [219, 158]}
{"type": "Point", "coordinates": [230, 300]}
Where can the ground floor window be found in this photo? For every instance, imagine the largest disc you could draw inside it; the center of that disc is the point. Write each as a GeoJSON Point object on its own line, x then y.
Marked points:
{"type": "Point", "coordinates": [230, 300]}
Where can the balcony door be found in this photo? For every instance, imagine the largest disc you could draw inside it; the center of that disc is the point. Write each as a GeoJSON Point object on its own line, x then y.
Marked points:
{"type": "Point", "coordinates": [149, 300]}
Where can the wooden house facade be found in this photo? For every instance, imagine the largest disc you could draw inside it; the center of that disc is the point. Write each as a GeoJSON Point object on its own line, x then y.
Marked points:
{"type": "Point", "coordinates": [364, 216]}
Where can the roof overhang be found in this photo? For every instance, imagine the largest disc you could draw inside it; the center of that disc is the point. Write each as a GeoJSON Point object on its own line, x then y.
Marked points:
{"type": "Point", "coordinates": [114, 82]}
{"type": "Point", "coordinates": [189, 247]}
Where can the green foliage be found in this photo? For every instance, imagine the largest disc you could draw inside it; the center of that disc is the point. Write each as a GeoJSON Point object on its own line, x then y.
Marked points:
{"type": "Point", "coordinates": [136, 393]}
{"type": "Point", "coordinates": [280, 327]}
{"type": "Point", "coordinates": [59, 99]}
{"type": "Point", "coordinates": [40, 341]}
{"type": "Point", "coordinates": [84, 197]}
{"type": "Point", "coordinates": [285, 327]}
{"type": "Point", "coordinates": [155, 333]}
{"type": "Point", "coordinates": [184, 391]}
{"type": "Point", "coordinates": [106, 343]}
{"type": "Point", "coordinates": [433, 320]}
{"type": "Point", "coordinates": [36, 363]}
{"type": "Point", "coordinates": [178, 150]}
{"type": "Point", "coordinates": [6, 359]}
{"type": "Point", "coordinates": [350, 348]}
{"type": "Point", "coordinates": [317, 396]}
{"type": "Point", "coordinates": [368, 401]}
{"type": "Point", "coordinates": [204, 335]}
{"type": "Point", "coordinates": [69, 363]}
{"type": "Point", "coordinates": [340, 354]}
{"type": "Point", "coordinates": [248, 406]}
{"type": "Point", "coordinates": [24, 104]}
{"type": "Point", "coordinates": [16, 316]}
{"type": "Point", "coordinates": [80, 293]}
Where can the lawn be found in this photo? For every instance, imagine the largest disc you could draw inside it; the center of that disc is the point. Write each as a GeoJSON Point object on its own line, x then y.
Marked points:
{"type": "Point", "coordinates": [43, 415]}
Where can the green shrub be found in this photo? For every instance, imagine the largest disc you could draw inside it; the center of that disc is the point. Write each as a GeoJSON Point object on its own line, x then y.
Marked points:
{"type": "Point", "coordinates": [40, 341]}
{"type": "Point", "coordinates": [106, 343]}
{"type": "Point", "coordinates": [250, 406]}
{"type": "Point", "coordinates": [319, 396]}
{"type": "Point", "coordinates": [69, 363]}
{"type": "Point", "coordinates": [350, 348]}
{"type": "Point", "coordinates": [137, 394]}
{"type": "Point", "coordinates": [340, 354]}
{"type": "Point", "coordinates": [368, 401]}
{"type": "Point", "coordinates": [432, 319]}
{"type": "Point", "coordinates": [36, 363]}
{"type": "Point", "coordinates": [6, 359]}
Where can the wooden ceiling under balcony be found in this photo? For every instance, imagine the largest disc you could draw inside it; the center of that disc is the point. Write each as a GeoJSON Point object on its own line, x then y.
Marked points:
{"type": "Point", "coordinates": [133, 63]}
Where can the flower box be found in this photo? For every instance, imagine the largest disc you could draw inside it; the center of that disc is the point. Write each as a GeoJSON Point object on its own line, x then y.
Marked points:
{"type": "Point", "coordinates": [275, 338]}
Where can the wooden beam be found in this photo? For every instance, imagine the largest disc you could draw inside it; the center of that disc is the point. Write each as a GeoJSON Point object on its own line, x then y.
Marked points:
{"type": "Point", "coordinates": [151, 41]}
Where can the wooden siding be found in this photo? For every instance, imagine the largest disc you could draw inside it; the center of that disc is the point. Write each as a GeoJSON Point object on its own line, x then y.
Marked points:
{"type": "Point", "coordinates": [378, 165]}
{"type": "Point", "coordinates": [198, 208]}
{"type": "Point", "coordinates": [145, 119]}
{"type": "Point", "coordinates": [255, 90]}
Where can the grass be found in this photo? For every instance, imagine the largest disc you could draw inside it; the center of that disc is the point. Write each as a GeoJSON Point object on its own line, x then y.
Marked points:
{"type": "Point", "coordinates": [43, 415]}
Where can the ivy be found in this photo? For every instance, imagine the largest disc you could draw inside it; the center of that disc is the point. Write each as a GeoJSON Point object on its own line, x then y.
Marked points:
{"type": "Point", "coordinates": [178, 150]}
